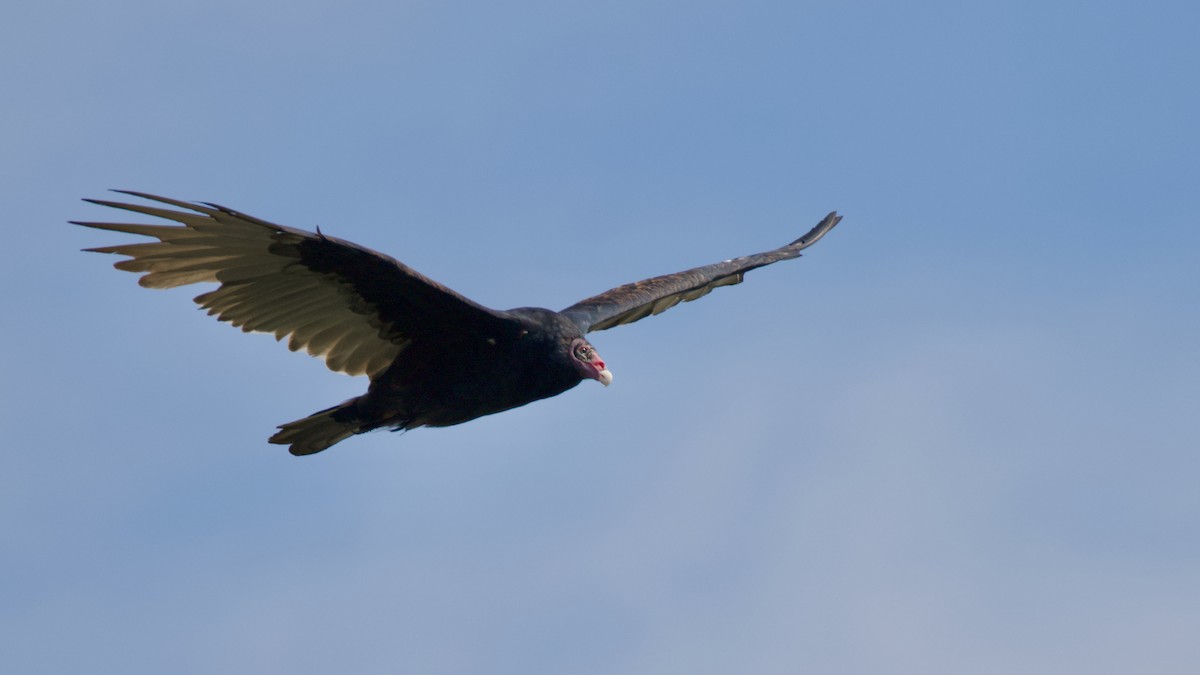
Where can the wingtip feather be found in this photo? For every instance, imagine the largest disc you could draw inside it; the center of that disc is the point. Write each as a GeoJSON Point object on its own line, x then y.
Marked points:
{"type": "Point", "coordinates": [820, 230]}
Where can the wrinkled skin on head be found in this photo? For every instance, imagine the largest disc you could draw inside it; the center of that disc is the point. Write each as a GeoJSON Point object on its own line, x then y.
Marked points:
{"type": "Point", "coordinates": [589, 363]}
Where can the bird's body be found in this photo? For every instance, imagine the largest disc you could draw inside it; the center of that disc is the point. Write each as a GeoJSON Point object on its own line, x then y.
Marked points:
{"type": "Point", "coordinates": [454, 378]}
{"type": "Point", "coordinates": [468, 376]}
{"type": "Point", "coordinates": [435, 358]}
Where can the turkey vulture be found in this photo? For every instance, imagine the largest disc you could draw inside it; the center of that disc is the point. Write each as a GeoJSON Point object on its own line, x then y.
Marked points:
{"type": "Point", "coordinates": [434, 357]}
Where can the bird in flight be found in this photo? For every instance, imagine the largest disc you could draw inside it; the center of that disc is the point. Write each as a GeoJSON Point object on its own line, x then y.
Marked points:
{"type": "Point", "coordinates": [434, 358]}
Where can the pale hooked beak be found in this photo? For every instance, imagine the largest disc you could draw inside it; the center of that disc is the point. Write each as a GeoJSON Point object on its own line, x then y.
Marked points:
{"type": "Point", "coordinates": [600, 371]}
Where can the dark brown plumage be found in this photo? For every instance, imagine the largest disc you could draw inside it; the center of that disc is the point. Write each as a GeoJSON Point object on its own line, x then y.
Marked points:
{"type": "Point", "coordinates": [434, 357]}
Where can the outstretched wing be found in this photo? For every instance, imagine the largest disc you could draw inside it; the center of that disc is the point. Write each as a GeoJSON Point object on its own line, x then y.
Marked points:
{"type": "Point", "coordinates": [628, 303]}
{"type": "Point", "coordinates": [352, 306]}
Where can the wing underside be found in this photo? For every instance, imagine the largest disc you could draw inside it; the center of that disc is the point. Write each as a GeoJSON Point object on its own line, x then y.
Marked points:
{"type": "Point", "coordinates": [353, 307]}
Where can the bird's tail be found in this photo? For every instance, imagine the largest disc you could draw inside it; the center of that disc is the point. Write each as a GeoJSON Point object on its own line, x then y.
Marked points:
{"type": "Point", "coordinates": [320, 429]}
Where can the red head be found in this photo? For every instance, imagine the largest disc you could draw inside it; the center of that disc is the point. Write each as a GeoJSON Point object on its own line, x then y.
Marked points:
{"type": "Point", "coordinates": [589, 363]}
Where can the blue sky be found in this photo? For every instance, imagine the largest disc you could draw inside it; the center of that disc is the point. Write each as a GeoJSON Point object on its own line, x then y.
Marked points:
{"type": "Point", "coordinates": [957, 436]}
